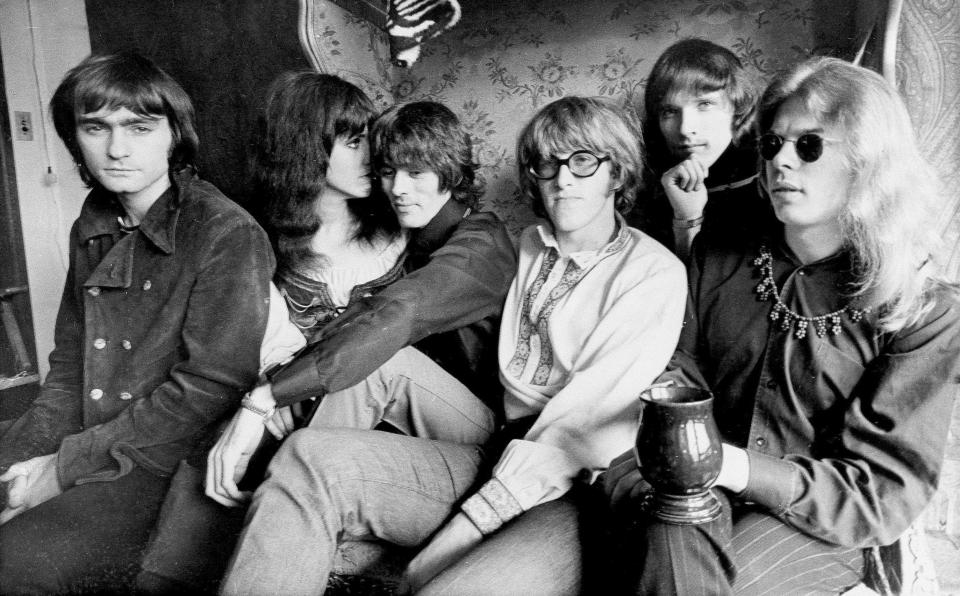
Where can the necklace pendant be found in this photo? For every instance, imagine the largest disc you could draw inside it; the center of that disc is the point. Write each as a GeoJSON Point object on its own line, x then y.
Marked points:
{"type": "Point", "coordinates": [801, 329]}
{"type": "Point", "coordinates": [787, 321]}
{"type": "Point", "coordinates": [822, 324]}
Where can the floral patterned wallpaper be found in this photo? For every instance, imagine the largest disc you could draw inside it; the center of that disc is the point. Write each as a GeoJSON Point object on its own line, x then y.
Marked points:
{"type": "Point", "coordinates": [504, 61]}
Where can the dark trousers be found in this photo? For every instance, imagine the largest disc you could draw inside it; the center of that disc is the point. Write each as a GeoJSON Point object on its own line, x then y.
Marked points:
{"type": "Point", "coordinates": [87, 539]}
{"type": "Point", "coordinates": [744, 551]}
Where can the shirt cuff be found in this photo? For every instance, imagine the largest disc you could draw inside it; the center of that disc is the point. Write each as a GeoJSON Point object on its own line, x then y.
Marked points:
{"type": "Point", "coordinates": [491, 507]}
{"type": "Point", "coordinates": [534, 472]}
{"type": "Point", "coordinates": [296, 381]}
{"type": "Point", "coordinates": [772, 481]}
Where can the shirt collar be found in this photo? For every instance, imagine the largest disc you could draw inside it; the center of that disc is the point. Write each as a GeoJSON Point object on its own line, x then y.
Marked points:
{"type": "Point", "coordinates": [438, 230]}
{"type": "Point", "coordinates": [585, 257]}
{"type": "Point", "coordinates": [736, 167]}
{"type": "Point", "coordinates": [99, 213]}
{"type": "Point", "coordinates": [840, 262]}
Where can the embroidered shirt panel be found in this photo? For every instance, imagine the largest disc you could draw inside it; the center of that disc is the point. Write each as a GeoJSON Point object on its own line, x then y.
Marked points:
{"type": "Point", "coordinates": [533, 359]}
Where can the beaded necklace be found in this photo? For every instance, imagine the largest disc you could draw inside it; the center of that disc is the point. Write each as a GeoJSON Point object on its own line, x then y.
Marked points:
{"type": "Point", "coordinates": [767, 290]}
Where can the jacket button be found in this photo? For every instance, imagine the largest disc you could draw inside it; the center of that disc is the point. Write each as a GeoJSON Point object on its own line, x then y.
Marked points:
{"type": "Point", "coordinates": [94, 291]}
{"type": "Point", "coordinates": [126, 344]}
{"type": "Point", "coordinates": [147, 285]}
{"type": "Point", "coordinates": [96, 394]}
{"type": "Point", "coordinates": [99, 343]}
{"type": "Point", "coordinates": [126, 395]}
{"type": "Point", "coordinates": [761, 441]}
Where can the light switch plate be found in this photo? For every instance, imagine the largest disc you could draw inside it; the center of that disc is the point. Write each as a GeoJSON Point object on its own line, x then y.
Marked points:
{"type": "Point", "coordinates": [22, 126]}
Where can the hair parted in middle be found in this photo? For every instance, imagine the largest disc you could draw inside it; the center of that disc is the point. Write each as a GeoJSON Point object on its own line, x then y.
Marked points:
{"type": "Point", "coordinates": [304, 115]}
{"type": "Point", "coordinates": [597, 124]}
{"type": "Point", "coordinates": [427, 135]}
{"type": "Point", "coordinates": [887, 223]}
{"type": "Point", "coordinates": [696, 66]}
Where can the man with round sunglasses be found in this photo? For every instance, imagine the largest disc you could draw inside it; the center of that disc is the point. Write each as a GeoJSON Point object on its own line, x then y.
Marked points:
{"type": "Point", "coordinates": [809, 145]}
{"type": "Point", "coordinates": [591, 318]}
{"type": "Point", "coordinates": [831, 346]}
{"type": "Point", "coordinates": [699, 115]}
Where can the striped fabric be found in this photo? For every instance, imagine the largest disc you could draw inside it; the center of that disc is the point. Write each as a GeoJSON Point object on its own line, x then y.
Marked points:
{"type": "Point", "coordinates": [755, 554]}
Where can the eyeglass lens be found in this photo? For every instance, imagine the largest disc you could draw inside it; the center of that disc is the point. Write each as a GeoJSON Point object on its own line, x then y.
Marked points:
{"type": "Point", "coordinates": [581, 163]}
{"type": "Point", "coordinates": [809, 146]}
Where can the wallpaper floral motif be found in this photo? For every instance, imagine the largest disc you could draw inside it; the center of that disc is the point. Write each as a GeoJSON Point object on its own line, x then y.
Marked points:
{"type": "Point", "coordinates": [505, 61]}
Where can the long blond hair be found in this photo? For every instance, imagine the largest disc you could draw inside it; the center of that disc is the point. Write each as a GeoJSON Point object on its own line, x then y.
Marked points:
{"type": "Point", "coordinates": [888, 222]}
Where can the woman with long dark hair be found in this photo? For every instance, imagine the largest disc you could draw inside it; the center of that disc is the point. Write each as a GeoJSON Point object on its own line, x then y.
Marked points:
{"type": "Point", "coordinates": [333, 240]}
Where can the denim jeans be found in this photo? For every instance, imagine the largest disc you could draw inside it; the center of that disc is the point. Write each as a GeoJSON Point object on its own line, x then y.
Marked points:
{"type": "Point", "coordinates": [413, 394]}
{"type": "Point", "coordinates": [410, 392]}
{"type": "Point", "coordinates": [328, 485]}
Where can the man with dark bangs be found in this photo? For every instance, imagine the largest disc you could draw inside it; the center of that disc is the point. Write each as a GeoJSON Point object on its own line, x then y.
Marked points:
{"type": "Point", "coordinates": [419, 357]}
{"type": "Point", "coordinates": [159, 329]}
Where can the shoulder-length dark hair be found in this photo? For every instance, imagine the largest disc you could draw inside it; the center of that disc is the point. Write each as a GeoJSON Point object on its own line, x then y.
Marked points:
{"type": "Point", "coordinates": [697, 66]}
{"type": "Point", "coordinates": [123, 80]}
{"type": "Point", "coordinates": [304, 115]}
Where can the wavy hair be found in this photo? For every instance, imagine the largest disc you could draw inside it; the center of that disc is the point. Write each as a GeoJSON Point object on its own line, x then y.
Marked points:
{"type": "Point", "coordinates": [888, 220]}
{"type": "Point", "coordinates": [305, 113]}
{"type": "Point", "coordinates": [427, 135]}
{"type": "Point", "coordinates": [696, 66]}
{"type": "Point", "coordinates": [123, 80]}
{"type": "Point", "coordinates": [597, 124]}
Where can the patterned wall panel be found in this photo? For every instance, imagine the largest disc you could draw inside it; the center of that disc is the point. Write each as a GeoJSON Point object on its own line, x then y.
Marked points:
{"type": "Point", "coordinates": [504, 61]}
{"type": "Point", "coordinates": [928, 73]}
{"type": "Point", "coordinates": [340, 43]}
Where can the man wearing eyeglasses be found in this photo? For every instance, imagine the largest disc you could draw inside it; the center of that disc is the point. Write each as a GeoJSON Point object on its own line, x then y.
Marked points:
{"type": "Point", "coordinates": [589, 321]}
{"type": "Point", "coordinates": [592, 316]}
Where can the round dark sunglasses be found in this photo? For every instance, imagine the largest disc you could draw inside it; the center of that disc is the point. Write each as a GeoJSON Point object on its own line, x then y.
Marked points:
{"type": "Point", "coordinates": [809, 145]}
{"type": "Point", "coordinates": [582, 164]}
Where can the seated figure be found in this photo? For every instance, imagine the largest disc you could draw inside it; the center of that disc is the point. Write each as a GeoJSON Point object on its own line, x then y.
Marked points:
{"type": "Point", "coordinates": [831, 346]}
{"type": "Point", "coordinates": [164, 307]}
{"type": "Point", "coordinates": [700, 106]}
{"type": "Point", "coordinates": [427, 336]}
{"type": "Point", "coordinates": [593, 315]}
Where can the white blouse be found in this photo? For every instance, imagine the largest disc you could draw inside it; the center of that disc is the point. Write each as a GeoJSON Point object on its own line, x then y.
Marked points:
{"type": "Point", "coordinates": [375, 260]}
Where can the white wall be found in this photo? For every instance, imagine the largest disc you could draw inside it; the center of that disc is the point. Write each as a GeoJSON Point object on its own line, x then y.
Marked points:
{"type": "Point", "coordinates": [40, 40]}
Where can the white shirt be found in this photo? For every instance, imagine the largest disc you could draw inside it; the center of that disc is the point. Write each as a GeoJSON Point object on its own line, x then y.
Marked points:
{"type": "Point", "coordinates": [601, 325]}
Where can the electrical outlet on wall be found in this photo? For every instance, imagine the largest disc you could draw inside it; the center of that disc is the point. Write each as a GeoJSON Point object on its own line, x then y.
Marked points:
{"type": "Point", "coordinates": [22, 126]}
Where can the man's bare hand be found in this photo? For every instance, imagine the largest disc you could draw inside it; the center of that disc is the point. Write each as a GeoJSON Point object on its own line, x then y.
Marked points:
{"type": "Point", "coordinates": [31, 483]}
{"type": "Point", "coordinates": [686, 189]}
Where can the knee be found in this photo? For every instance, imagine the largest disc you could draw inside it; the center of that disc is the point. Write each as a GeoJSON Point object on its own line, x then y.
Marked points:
{"type": "Point", "coordinates": [321, 457]}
